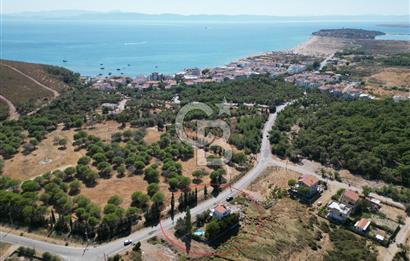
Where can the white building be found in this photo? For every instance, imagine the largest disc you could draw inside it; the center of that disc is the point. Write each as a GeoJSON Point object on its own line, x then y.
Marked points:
{"type": "Point", "coordinates": [338, 211]}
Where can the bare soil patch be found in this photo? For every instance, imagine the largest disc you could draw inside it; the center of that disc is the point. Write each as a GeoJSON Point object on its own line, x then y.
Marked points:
{"type": "Point", "coordinates": [393, 77]}
{"type": "Point", "coordinates": [152, 135]}
{"type": "Point", "coordinates": [358, 181]}
{"type": "Point", "coordinates": [47, 157]}
{"type": "Point", "coordinates": [273, 177]}
{"type": "Point", "coordinates": [389, 82]}
{"type": "Point", "coordinates": [123, 187]}
{"type": "Point", "coordinates": [392, 212]}
{"type": "Point", "coordinates": [104, 130]}
{"type": "Point", "coordinates": [279, 233]}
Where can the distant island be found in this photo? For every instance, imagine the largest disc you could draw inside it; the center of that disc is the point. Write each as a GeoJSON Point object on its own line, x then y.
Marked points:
{"type": "Point", "coordinates": [347, 33]}
{"type": "Point", "coordinates": [395, 25]}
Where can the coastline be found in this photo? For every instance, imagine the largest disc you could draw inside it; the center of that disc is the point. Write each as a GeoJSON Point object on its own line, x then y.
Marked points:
{"type": "Point", "coordinates": [321, 46]}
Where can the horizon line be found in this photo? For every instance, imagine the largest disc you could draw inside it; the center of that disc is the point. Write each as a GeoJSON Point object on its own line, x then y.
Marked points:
{"type": "Point", "coordinates": [199, 14]}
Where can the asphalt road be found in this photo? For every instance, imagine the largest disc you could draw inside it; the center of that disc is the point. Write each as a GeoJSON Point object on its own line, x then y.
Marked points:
{"type": "Point", "coordinates": [264, 160]}
{"type": "Point", "coordinates": [100, 252]}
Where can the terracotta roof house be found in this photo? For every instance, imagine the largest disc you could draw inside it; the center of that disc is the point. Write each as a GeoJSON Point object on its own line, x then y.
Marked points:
{"type": "Point", "coordinates": [362, 225]}
{"type": "Point", "coordinates": [350, 197]}
{"type": "Point", "coordinates": [220, 211]}
{"type": "Point", "coordinates": [308, 181]}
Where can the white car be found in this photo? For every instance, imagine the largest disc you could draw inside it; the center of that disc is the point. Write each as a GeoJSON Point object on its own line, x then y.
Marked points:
{"type": "Point", "coordinates": [127, 242]}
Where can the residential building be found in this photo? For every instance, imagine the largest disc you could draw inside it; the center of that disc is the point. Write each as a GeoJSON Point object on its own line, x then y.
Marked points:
{"type": "Point", "coordinates": [220, 211]}
{"type": "Point", "coordinates": [109, 106]}
{"type": "Point", "coordinates": [350, 197]}
{"type": "Point", "coordinates": [309, 182]}
{"type": "Point", "coordinates": [375, 204]}
{"type": "Point", "coordinates": [296, 68]}
{"type": "Point", "coordinates": [338, 211]}
{"type": "Point", "coordinates": [362, 225]}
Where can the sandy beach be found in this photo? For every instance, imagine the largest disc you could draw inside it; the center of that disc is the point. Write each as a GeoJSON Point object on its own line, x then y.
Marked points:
{"type": "Point", "coordinates": [321, 46]}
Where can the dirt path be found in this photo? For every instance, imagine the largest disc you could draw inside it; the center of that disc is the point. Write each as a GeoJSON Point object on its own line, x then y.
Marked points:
{"type": "Point", "coordinates": [55, 93]}
{"type": "Point", "coordinates": [13, 114]}
{"type": "Point", "coordinates": [7, 252]}
{"type": "Point", "coordinates": [400, 239]}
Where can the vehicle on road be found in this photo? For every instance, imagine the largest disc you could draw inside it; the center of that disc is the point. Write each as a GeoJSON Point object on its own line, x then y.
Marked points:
{"type": "Point", "coordinates": [229, 199]}
{"type": "Point", "coordinates": [127, 242]}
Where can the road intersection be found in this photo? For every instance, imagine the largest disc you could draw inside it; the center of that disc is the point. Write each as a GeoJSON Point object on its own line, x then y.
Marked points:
{"type": "Point", "coordinates": [265, 159]}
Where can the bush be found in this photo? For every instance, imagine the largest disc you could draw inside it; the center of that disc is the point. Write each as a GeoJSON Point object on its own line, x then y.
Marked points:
{"type": "Point", "coordinates": [49, 257]}
{"type": "Point", "coordinates": [26, 252]}
{"type": "Point", "coordinates": [152, 189]}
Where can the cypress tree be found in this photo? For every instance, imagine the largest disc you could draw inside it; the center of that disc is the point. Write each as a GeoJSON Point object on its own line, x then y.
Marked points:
{"type": "Point", "coordinates": [188, 223]}
{"type": "Point", "coordinates": [172, 206]}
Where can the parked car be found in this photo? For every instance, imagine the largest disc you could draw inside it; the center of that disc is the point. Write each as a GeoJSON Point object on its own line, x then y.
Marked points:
{"type": "Point", "coordinates": [229, 199]}
{"type": "Point", "coordinates": [127, 242]}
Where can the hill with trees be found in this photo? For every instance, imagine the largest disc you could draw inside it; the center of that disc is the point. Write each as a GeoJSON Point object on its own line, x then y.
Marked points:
{"type": "Point", "coordinates": [26, 94]}
{"type": "Point", "coordinates": [349, 33]}
{"type": "Point", "coordinates": [369, 138]}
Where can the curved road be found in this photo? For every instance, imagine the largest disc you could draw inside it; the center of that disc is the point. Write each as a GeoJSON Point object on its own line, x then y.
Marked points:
{"type": "Point", "coordinates": [12, 109]}
{"type": "Point", "coordinates": [13, 114]}
{"type": "Point", "coordinates": [102, 251]}
{"type": "Point", "coordinates": [55, 93]}
{"type": "Point", "coordinates": [265, 159]}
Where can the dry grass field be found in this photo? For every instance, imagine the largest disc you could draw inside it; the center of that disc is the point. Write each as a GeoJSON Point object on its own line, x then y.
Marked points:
{"type": "Point", "coordinates": [279, 233]}
{"type": "Point", "coordinates": [125, 186]}
{"type": "Point", "coordinates": [104, 130]}
{"type": "Point", "coordinates": [152, 135]}
{"type": "Point", "coordinates": [47, 157]}
{"type": "Point", "coordinates": [389, 81]}
{"type": "Point", "coordinates": [35, 164]}
{"type": "Point", "coordinates": [122, 187]}
{"type": "Point", "coordinates": [4, 110]}
{"type": "Point", "coordinates": [38, 72]}
{"type": "Point", "coordinates": [384, 47]}
{"type": "Point", "coordinates": [21, 90]}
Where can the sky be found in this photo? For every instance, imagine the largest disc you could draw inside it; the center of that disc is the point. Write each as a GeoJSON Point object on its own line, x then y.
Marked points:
{"type": "Point", "coordinates": [227, 7]}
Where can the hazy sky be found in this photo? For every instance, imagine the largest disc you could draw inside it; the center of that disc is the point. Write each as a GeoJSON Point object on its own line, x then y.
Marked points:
{"type": "Point", "coordinates": [261, 7]}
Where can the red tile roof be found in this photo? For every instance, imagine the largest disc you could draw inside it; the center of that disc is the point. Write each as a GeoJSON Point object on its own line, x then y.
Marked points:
{"type": "Point", "coordinates": [220, 209]}
{"type": "Point", "coordinates": [351, 195]}
{"type": "Point", "coordinates": [308, 180]}
{"type": "Point", "coordinates": [362, 224]}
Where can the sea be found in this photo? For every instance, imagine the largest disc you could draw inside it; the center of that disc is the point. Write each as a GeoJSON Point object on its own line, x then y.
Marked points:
{"type": "Point", "coordinates": [135, 48]}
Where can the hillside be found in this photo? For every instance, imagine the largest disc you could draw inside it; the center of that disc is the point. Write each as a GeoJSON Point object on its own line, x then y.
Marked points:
{"type": "Point", "coordinates": [4, 110]}
{"type": "Point", "coordinates": [28, 86]}
{"type": "Point", "coordinates": [369, 138]}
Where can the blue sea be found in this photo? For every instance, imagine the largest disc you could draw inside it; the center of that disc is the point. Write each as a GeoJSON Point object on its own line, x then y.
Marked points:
{"type": "Point", "coordinates": [138, 47]}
